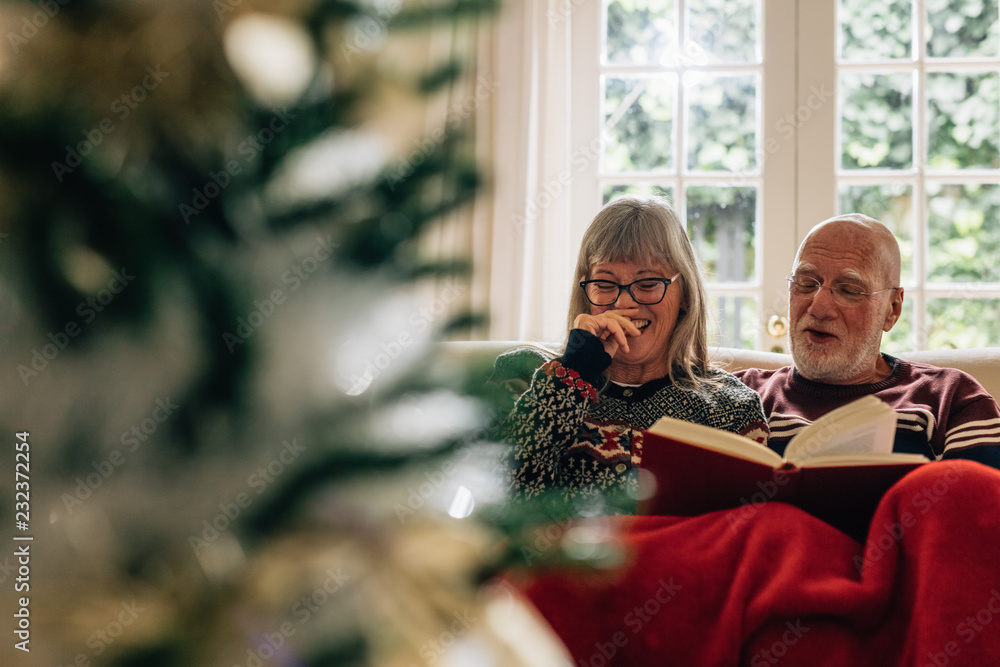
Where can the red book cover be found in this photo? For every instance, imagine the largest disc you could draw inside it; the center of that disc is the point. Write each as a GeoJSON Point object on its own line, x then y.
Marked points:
{"type": "Point", "coordinates": [714, 470]}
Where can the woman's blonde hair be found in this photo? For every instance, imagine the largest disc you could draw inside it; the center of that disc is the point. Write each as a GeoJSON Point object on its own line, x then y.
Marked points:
{"type": "Point", "coordinates": [646, 230]}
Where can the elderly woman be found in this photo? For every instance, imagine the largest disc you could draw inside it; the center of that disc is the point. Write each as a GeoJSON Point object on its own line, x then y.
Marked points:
{"type": "Point", "coordinates": [637, 350]}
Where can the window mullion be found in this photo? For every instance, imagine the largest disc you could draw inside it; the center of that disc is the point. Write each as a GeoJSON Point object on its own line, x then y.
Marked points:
{"type": "Point", "coordinates": [920, 156]}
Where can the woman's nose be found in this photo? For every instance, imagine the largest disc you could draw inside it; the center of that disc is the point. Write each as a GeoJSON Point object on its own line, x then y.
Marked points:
{"type": "Point", "coordinates": [626, 295]}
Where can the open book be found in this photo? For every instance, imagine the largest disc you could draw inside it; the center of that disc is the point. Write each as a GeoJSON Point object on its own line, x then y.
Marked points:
{"type": "Point", "coordinates": [837, 468]}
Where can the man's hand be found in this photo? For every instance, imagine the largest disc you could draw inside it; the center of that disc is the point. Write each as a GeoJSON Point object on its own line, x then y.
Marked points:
{"type": "Point", "coordinates": [613, 327]}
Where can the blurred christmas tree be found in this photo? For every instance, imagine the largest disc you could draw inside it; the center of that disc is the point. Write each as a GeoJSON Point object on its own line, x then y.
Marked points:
{"type": "Point", "coordinates": [216, 340]}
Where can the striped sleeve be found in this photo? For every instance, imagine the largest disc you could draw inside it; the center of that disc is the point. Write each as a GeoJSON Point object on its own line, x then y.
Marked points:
{"type": "Point", "coordinates": [981, 432]}
{"type": "Point", "coordinates": [976, 435]}
{"type": "Point", "coordinates": [785, 426]}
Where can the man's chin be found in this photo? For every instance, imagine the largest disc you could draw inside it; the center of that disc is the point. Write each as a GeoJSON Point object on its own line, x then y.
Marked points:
{"type": "Point", "coordinates": [821, 373]}
{"type": "Point", "coordinates": [837, 361]}
{"type": "Point", "coordinates": [821, 363]}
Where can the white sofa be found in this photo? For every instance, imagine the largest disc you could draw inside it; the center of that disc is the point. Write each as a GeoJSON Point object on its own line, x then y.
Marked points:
{"type": "Point", "coordinates": [983, 363]}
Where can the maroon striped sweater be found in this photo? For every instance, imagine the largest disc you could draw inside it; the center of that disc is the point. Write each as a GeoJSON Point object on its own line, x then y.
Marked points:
{"type": "Point", "coordinates": [942, 412]}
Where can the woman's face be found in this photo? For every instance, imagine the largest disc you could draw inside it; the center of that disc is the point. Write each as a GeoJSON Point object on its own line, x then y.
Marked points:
{"type": "Point", "coordinates": [656, 322]}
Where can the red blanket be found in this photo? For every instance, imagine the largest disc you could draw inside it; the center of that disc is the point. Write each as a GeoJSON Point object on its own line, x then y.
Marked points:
{"type": "Point", "coordinates": [768, 583]}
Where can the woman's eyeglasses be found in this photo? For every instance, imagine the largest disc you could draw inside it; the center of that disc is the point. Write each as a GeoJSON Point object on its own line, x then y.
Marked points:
{"type": "Point", "coordinates": [645, 292]}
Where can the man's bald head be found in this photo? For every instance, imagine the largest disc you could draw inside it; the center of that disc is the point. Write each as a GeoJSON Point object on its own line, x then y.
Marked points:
{"type": "Point", "coordinates": [867, 235]}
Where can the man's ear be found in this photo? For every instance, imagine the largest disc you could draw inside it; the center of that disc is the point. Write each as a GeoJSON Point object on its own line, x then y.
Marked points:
{"type": "Point", "coordinates": [896, 309]}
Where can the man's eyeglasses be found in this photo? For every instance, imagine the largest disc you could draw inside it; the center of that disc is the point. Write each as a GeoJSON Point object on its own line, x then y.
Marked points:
{"type": "Point", "coordinates": [844, 294]}
{"type": "Point", "coordinates": [646, 292]}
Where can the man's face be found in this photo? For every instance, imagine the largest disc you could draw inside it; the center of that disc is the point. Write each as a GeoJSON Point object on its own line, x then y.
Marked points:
{"type": "Point", "coordinates": [833, 342]}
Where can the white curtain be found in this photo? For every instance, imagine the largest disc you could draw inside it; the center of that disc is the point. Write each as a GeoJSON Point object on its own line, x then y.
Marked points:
{"type": "Point", "coordinates": [533, 253]}
{"type": "Point", "coordinates": [517, 232]}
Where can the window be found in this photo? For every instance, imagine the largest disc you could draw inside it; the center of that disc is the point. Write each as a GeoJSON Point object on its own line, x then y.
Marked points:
{"type": "Point", "coordinates": [761, 118]}
{"type": "Point", "coordinates": [918, 139]}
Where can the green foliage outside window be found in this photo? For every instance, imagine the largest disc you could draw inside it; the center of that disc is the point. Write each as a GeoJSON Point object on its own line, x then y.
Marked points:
{"type": "Point", "coordinates": [877, 129]}
{"type": "Point", "coordinates": [875, 30]}
{"type": "Point", "coordinates": [876, 120]}
{"type": "Point", "coordinates": [964, 233]}
{"type": "Point", "coordinates": [961, 28]}
{"type": "Point", "coordinates": [964, 119]}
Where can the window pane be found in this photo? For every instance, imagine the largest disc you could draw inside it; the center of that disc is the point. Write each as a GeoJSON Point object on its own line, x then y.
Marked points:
{"type": "Point", "coordinates": [872, 30]}
{"type": "Point", "coordinates": [964, 119]}
{"type": "Point", "coordinates": [961, 28]}
{"type": "Point", "coordinates": [963, 233]}
{"type": "Point", "coordinates": [642, 190]}
{"type": "Point", "coordinates": [640, 32]}
{"type": "Point", "coordinates": [900, 338]}
{"type": "Point", "coordinates": [722, 31]}
{"type": "Point", "coordinates": [963, 323]}
{"type": "Point", "coordinates": [639, 123]}
{"type": "Point", "coordinates": [891, 205]}
{"type": "Point", "coordinates": [722, 123]}
{"type": "Point", "coordinates": [733, 321]}
{"type": "Point", "coordinates": [721, 224]}
{"type": "Point", "coordinates": [876, 120]}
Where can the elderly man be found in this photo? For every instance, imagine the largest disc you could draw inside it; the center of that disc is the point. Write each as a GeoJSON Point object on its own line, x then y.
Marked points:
{"type": "Point", "coordinates": [843, 293]}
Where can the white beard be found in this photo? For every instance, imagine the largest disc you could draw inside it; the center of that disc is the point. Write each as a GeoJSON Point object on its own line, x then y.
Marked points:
{"type": "Point", "coordinates": [839, 366]}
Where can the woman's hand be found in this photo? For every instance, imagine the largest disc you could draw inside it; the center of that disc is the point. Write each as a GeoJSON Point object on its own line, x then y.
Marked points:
{"type": "Point", "coordinates": [613, 327]}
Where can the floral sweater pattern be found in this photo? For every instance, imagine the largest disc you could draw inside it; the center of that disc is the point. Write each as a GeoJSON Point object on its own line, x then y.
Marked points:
{"type": "Point", "coordinates": [568, 436]}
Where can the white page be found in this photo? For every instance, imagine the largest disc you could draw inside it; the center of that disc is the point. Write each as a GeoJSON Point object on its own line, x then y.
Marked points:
{"type": "Point", "coordinates": [868, 426]}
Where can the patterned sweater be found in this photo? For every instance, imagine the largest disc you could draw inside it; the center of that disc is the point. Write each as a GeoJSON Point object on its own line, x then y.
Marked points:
{"type": "Point", "coordinates": [941, 412]}
{"type": "Point", "coordinates": [568, 436]}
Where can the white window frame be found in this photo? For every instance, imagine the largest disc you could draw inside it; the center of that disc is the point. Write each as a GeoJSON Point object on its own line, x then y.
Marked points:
{"type": "Point", "coordinates": [798, 152]}
{"type": "Point", "coordinates": [820, 179]}
{"type": "Point", "coordinates": [776, 156]}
